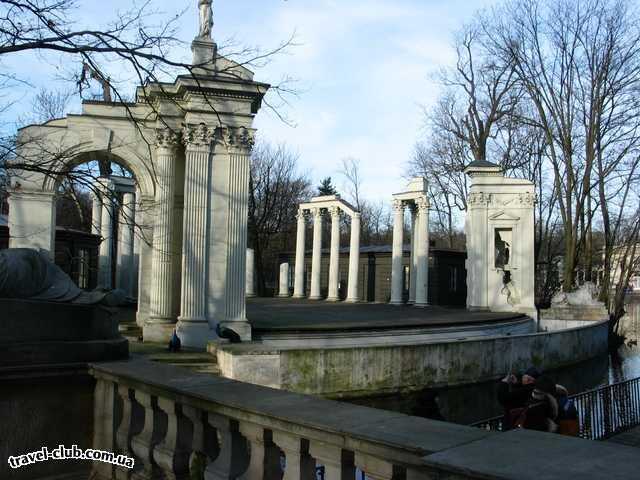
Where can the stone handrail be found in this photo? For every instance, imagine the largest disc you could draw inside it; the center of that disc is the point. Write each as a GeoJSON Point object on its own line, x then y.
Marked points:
{"type": "Point", "coordinates": [178, 424]}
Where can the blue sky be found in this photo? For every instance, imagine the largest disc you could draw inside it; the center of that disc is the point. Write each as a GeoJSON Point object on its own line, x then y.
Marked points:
{"type": "Point", "coordinates": [363, 68]}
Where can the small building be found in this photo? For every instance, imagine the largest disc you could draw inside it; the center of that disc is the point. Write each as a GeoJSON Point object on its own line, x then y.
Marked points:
{"type": "Point", "coordinates": [76, 253]}
{"type": "Point", "coordinates": [447, 274]}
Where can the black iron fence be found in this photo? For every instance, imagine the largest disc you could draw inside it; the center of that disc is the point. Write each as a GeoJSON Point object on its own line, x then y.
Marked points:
{"type": "Point", "coordinates": [602, 412]}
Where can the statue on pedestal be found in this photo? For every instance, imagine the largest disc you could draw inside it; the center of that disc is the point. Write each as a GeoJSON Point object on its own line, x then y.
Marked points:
{"type": "Point", "coordinates": [30, 274]}
{"type": "Point", "coordinates": [206, 18]}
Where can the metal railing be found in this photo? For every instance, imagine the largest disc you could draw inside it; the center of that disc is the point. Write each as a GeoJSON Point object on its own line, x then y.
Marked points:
{"type": "Point", "coordinates": [602, 412]}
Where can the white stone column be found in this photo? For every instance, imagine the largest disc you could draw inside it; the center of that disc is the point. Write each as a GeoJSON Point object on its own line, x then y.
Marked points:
{"type": "Point", "coordinates": [316, 256]}
{"type": "Point", "coordinates": [124, 264]}
{"type": "Point", "coordinates": [161, 322]}
{"type": "Point", "coordinates": [144, 252]}
{"type": "Point", "coordinates": [298, 283]}
{"type": "Point", "coordinates": [354, 259]}
{"type": "Point", "coordinates": [284, 280]}
{"type": "Point", "coordinates": [193, 328]}
{"type": "Point", "coordinates": [396, 253]}
{"type": "Point", "coordinates": [413, 273]}
{"type": "Point", "coordinates": [250, 279]}
{"type": "Point", "coordinates": [231, 224]}
{"type": "Point", "coordinates": [334, 255]}
{"type": "Point", "coordinates": [96, 213]}
{"type": "Point", "coordinates": [422, 253]}
{"type": "Point", "coordinates": [106, 232]}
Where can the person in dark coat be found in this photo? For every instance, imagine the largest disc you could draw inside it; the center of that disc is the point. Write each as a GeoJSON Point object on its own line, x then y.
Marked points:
{"type": "Point", "coordinates": [515, 392]}
{"type": "Point", "coordinates": [542, 408]}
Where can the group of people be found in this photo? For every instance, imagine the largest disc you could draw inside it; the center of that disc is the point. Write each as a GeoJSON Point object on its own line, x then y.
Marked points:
{"type": "Point", "coordinates": [534, 401]}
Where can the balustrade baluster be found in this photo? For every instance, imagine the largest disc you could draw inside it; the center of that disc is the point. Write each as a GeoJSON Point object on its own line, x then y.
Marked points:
{"type": "Point", "coordinates": [376, 468]}
{"type": "Point", "coordinates": [338, 463]}
{"type": "Point", "coordinates": [299, 464]}
{"type": "Point", "coordinates": [233, 457]}
{"type": "Point", "coordinates": [172, 454]}
{"type": "Point", "coordinates": [202, 451]}
{"type": "Point", "coordinates": [104, 408]}
{"type": "Point", "coordinates": [131, 424]}
{"type": "Point", "coordinates": [264, 461]}
{"type": "Point", "coordinates": [154, 430]}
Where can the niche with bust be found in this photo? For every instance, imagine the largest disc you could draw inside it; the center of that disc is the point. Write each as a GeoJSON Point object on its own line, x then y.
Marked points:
{"type": "Point", "coordinates": [503, 248]}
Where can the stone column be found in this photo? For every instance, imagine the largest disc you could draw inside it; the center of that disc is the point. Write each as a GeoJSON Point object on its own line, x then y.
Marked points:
{"type": "Point", "coordinates": [396, 254]}
{"type": "Point", "coordinates": [96, 213]}
{"type": "Point", "coordinates": [413, 272]}
{"type": "Point", "coordinates": [334, 256]}
{"type": "Point", "coordinates": [106, 231]}
{"type": "Point", "coordinates": [250, 280]}
{"type": "Point", "coordinates": [298, 283]}
{"type": "Point", "coordinates": [284, 280]}
{"type": "Point", "coordinates": [144, 241]}
{"type": "Point", "coordinates": [422, 253]}
{"type": "Point", "coordinates": [316, 256]}
{"type": "Point", "coordinates": [124, 270]}
{"type": "Point", "coordinates": [232, 231]}
{"type": "Point", "coordinates": [161, 322]}
{"type": "Point", "coordinates": [193, 328]}
{"type": "Point", "coordinates": [354, 259]}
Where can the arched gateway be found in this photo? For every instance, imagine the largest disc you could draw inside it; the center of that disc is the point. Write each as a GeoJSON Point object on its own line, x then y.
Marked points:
{"type": "Point", "coordinates": [187, 144]}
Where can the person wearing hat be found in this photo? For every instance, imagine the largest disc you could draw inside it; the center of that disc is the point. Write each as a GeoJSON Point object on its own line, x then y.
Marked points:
{"type": "Point", "coordinates": [514, 392]}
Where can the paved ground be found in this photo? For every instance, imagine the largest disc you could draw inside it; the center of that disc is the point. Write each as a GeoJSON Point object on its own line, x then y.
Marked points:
{"type": "Point", "coordinates": [302, 314]}
{"type": "Point", "coordinates": [630, 438]}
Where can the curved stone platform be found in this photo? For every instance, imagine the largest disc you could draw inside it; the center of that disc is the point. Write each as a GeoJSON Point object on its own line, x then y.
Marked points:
{"type": "Point", "coordinates": [43, 333]}
{"type": "Point", "coordinates": [286, 323]}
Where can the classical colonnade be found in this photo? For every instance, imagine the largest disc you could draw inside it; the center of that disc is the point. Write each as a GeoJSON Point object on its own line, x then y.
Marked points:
{"type": "Point", "coordinates": [416, 201]}
{"type": "Point", "coordinates": [114, 198]}
{"type": "Point", "coordinates": [317, 209]}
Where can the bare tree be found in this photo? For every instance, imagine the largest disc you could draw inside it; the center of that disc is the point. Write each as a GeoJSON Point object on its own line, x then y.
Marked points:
{"type": "Point", "coordinates": [276, 188]}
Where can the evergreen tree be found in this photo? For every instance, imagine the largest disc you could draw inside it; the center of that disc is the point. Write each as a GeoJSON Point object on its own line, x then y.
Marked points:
{"type": "Point", "coordinates": [326, 187]}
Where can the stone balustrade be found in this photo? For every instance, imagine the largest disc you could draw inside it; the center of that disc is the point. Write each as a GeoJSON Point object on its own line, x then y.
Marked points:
{"type": "Point", "coordinates": [179, 425]}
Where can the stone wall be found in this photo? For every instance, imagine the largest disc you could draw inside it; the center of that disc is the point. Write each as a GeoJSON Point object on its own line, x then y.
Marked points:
{"type": "Point", "coordinates": [362, 371]}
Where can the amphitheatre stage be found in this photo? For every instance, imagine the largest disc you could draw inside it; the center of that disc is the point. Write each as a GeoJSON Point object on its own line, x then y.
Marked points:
{"type": "Point", "coordinates": [300, 322]}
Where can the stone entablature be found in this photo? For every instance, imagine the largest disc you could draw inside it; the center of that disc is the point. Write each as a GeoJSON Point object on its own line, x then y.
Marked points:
{"type": "Point", "coordinates": [332, 205]}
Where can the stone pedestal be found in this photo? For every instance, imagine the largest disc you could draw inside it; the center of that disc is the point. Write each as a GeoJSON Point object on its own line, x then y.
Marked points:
{"type": "Point", "coordinates": [32, 222]}
{"type": "Point", "coordinates": [283, 290]}
{"type": "Point", "coordinates": [500, 241]}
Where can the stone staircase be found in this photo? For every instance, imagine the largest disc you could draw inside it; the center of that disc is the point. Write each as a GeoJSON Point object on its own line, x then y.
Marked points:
{"type": "Point", "coordinates": [194, 360]}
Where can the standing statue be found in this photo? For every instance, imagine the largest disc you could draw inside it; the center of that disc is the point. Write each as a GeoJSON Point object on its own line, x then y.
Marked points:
{"type": "Point", "coordinates": [206, 18]}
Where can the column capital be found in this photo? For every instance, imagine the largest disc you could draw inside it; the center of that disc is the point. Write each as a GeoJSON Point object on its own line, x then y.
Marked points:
{"type": "Point", "coordinates": [167, 138]}
{"type": "Point", "coordinates": [398, 205]}
{"type": "Point", "coordinates": [301, 215]}
{"type": "Point", "coordinates": [422, 203]}
{"type": "Point", "coordinates": [334, 211]}
{"type": "Point", "coordinates": [238, 139]}
{"type": "Point", "coordinates": [199, 135]}
{"type": "Point", "coordinates": [316, 212]}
